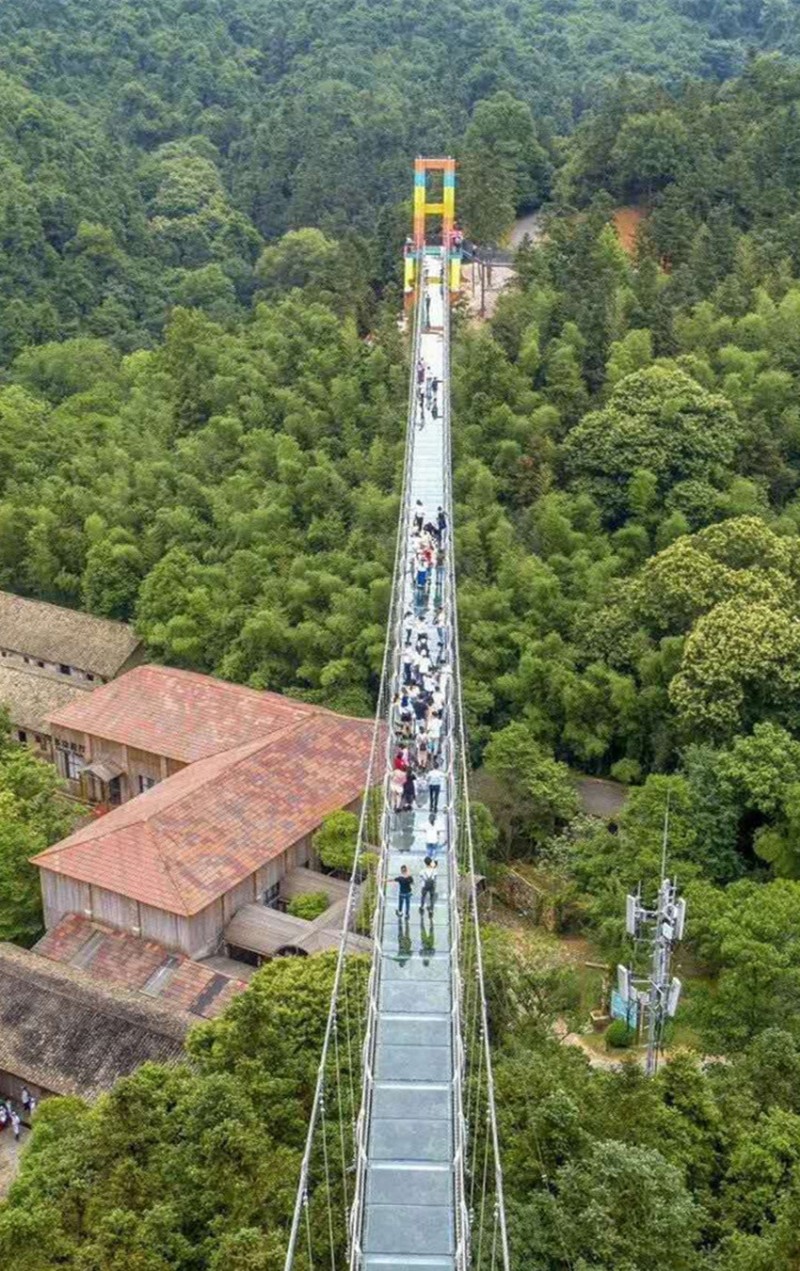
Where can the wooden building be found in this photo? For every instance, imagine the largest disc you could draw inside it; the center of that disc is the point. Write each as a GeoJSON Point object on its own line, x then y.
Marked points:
{"type": "Point", "coordinates": [225, 822]}
{"type": "Point", "coordinates": [30, 697]}
{"type": "Point", "coordinates": [65, 642]}
{"type": "Point", "coordinates": [50, 655]}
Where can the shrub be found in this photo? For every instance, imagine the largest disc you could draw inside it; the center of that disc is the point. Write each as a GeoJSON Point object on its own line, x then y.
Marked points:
{"type": "Point", "coordinates": [628, 771]}
{"type": "Point", "coordinates": [619, 1035]}
{"type": "Point", "coordinates": [308, 905]}
{"type": "Point", "coordinates": [335, 841]}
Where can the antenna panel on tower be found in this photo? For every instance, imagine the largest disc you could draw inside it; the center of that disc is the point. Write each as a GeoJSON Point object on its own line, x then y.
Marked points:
{"type": "Point", "coordinates": [680, 918]}
{"type": "Point", "coordinates": [631, 912]}
{"type": "Point", "coordinates": [624, 983]}
{"type": "Point", "coordinates": [673, 997]}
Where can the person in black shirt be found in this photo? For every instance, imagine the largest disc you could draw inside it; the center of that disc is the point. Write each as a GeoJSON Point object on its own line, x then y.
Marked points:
{"type": "Point", "coordinates": [404, 882]}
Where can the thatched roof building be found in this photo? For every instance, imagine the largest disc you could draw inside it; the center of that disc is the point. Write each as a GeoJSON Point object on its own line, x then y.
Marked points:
{"type": "Point", "coordinates": [52, 635]}
{"type": "Point", "coordinates": [62, 1033]}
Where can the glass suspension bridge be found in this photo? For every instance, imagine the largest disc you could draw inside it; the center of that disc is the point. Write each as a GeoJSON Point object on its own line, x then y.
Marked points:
{"type": "Point", "coordinates": [402, 1166]}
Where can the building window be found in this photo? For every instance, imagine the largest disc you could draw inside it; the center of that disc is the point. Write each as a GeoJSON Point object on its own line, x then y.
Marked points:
{"type": "Point", "coordinates": [22, 735]}
{"type": "Point", "coordinates": [26, 660]}
{"type": "Point", "coordinates": [73, 765]}
{"type": "Point", "coordinates": [272, 894]}
{"type": "Point", "coordinates": [70, 758]}
{"type": "Point", "coordinates": [89, 677]}
{"type": "Point", "coordinates": [145, 783]}
{"type": "Point", "coordinates": [63, 668]}
{"type": "Point", "coordinates": [40, 664]}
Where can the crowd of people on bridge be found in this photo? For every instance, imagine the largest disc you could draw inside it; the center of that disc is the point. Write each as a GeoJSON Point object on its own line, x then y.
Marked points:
{"type": "Point", "coordinates": [427, 395]}
{"type": "Point", "coordinates": [420, 704]}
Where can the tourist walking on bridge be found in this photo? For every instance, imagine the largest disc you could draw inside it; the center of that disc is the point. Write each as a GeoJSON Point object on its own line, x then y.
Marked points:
{"type": "Point", "coordinates": [428, 892]}
{"type": "Point", "coordinates": [435, 777]}
{"type": "Point", "coordinates": [405, 882]}
{"type": "Point", "coordinates": [433, 835]}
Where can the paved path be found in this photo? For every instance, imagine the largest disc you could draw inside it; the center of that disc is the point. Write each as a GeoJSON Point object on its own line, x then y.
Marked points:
{"type": "Point", "coordinates": [9, 1156]}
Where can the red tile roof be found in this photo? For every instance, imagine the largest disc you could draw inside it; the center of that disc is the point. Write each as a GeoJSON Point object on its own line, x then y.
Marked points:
{"type": "Point", "coordinates": [122, 960]}
{"type": "Point", "coordinates": [196, 835]}
{"type": "Point", "coordinates": [180, 714]}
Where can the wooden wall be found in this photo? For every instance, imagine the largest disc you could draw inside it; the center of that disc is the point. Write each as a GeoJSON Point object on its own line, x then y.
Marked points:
{"type": "Point", "coordinates": [198, 936]}
{"type": "Point", "coordinates": [118, 911]}
{"type": "Point", "coordinates": [11, 1088]}
{"type": "Point", "coordinates": [62, 895]}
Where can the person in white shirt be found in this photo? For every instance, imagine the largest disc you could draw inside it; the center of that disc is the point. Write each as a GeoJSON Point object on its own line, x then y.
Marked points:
{"type": "Point", "coordinates": [435, 781]}
{"type": "Point", "coordinates": [422, 789]}
{"type": "Point", "coordinates": [433, 835]}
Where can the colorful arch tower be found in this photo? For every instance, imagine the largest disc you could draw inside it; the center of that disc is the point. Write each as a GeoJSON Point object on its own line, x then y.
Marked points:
{"type": "Point", "coordinates": [424, 208]}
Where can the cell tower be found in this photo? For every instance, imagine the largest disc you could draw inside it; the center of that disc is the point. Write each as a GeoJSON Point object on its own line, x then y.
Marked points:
{"type": "Point", "coordinates": [661, 928]}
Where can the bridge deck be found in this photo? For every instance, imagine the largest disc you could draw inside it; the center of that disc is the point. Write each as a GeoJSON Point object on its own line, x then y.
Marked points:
{"type": "Point", "coordinates": [410, 1187]}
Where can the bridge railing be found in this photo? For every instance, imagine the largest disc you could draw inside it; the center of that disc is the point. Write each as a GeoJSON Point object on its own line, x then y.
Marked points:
{"type": "Point", "coordinates": [482, 1205]}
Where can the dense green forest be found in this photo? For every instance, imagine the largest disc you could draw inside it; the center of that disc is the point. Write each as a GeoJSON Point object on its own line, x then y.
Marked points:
{"type": "Point", "coordinates": [150, 150]}
{"type": "Point", "coordinates": [201, 429]}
